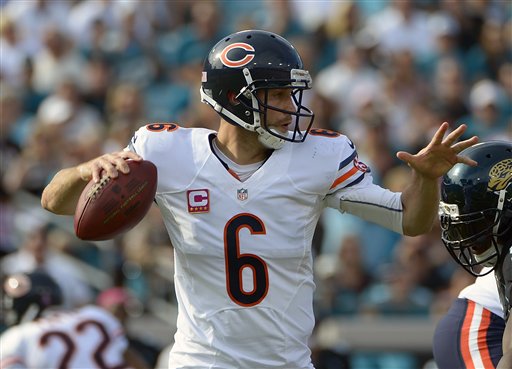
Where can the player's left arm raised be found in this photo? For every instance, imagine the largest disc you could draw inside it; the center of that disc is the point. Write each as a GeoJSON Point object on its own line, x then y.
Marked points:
{"type": "Point", "coordinates": [421, 198]}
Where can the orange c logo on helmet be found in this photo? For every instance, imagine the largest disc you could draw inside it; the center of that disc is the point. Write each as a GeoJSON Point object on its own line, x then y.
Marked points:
{"type": "Point", "coordinates": [240, 62]}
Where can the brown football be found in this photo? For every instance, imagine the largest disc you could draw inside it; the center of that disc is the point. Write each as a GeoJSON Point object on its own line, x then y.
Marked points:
{"type": "Point", "coordinates": [115, 205]}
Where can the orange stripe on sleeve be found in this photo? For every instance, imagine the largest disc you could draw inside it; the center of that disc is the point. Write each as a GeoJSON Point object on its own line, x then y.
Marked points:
{"type": "Point", "coordinates": [344, 177]}
{"type": "Point", "coordinates": [482, 339]}
{"type": "Point", "coordinates": [464, 337]}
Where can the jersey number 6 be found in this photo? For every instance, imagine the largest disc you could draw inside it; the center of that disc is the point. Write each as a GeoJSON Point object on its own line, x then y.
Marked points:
{"type": "Point", "coordinates": [236, 262]}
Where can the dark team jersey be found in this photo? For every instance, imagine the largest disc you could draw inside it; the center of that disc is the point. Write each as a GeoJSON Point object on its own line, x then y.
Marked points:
{"type": "Point", "coordinates": [504, 281]}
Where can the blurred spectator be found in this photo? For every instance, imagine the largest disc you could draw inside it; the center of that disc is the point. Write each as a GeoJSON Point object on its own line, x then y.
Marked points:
{"type": "Point", "coordinates": [445, 30]}
{"type": "Point", "coordinates": [145, 250]}
{"type": "Point", "coordinates": [34, 18]}
{"type": "Point", "coordinates": [97, 83]}
{"type": "Point", "coordinates": [343, 279]}
{"type": "Point", "coordinates": [488, 109]}
{"type": "Point", "coordinates": [335, 82]}
{"type": "Point", "coordinates": [469, 19]}
{"type": "Point", "coordinates": [396, 294]}
{"type": "Point", "coordinates": [505, 79]}
{"type": "Point", "coordinates": [37, 251]}
{"type": "Point", "coordinates": [449, 90]}
{"type": "Point", "coordinates": [38, 161]}
{"type": "Point", "coordinates": [58, 59]}
{"type": "Point", "coordinates": [403, 87]}
{"type": "Point", "coordinates": [67, 115]}
{"type": "Point", "coordinates": [14, 55]}
{"type": "Point", "coordinates": [85, 15]}
{"type": "Point", "coordinates": [125, 112]}
{"type": "Point", "coordinates": [402, 26]}
{"type": "Point", "coordinates": [368, 127]}
{"type": "Point", "coordinates": [444, 298]}
{"type": "Point", "coordinates": [15, 121]}
{"type": "Point", "coordinates": [344, 22]}
{"type": "Point", "coordinates": [485, 57]}
{"type": "Point", "coordinates": [279, 18]}
{"type": "Point", "coordinates": [7, 221]}
{"type": "Point", "coordinates": [312, 15]}
{"type": "Point", "coordinates": [413, 255]}
{"type": "Point", "coordinates": [194, 39]}
{"type": "Point", "coordinates": [120, 303]}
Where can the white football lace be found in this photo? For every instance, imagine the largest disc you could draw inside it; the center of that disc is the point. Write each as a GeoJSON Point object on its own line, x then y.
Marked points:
{"type": "Point", "coordinates": [94, 190]}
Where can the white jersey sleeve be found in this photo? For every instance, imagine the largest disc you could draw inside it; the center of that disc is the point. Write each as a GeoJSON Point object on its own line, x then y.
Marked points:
{"type": "Point", "coordinates": [12, 349]}
{"type": "Point", "coordinates": [89, 337]}
{"type": "Point", "coordinates": [354, 192]}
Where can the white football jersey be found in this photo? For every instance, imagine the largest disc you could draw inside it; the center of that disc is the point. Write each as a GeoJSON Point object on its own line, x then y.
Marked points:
{"type": "Point", "coordinates": [485, 292]}
{"type": "Point", "coordinates": [89, 337]}
{"type": "Point", "coordinates": [243, 258]}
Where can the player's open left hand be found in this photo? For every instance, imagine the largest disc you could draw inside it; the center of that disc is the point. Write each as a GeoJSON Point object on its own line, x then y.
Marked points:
{"type": "Point", "coordinates": [441, 154]}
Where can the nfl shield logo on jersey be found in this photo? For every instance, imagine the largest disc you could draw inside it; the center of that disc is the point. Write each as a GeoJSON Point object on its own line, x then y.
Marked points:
{"type": "Point", "coordinates": [242, 194]}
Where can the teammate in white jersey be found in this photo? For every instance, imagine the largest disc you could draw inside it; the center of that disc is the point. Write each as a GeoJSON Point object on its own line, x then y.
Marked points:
{"type": "Point", "coordinates": [46, 337]}
{"type": "Point", "coordinates": [241, 204]}
{"type": "Point", "coordinates": [476, 219]}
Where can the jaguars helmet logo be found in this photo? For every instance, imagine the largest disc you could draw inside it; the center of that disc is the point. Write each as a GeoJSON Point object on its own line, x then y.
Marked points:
{"type": "Point", "coordinates": [500, 175]}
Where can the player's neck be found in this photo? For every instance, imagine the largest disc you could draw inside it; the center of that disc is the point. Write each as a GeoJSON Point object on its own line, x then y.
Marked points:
{"type": "Point", "coordinates": [240, 145]}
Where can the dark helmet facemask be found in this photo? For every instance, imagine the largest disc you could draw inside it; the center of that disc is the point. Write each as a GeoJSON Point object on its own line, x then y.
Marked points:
{"type": "Point", "coordinates": [299, 81]}
{"type": "Point", "coordinates": [472, 239]}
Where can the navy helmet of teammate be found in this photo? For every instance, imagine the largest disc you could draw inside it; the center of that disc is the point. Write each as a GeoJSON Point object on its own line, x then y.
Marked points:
{"type": "Point", "coordinates": [26, 295]}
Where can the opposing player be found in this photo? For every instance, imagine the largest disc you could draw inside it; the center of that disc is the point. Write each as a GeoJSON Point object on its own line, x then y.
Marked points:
{"type": "Point", "coordinates": [470, 335]}
{"type": "Point", "coordinates": [241, 204]}
{"type": "Point", "coordinates": [43, 336]}
{"type": "Point", "coordinates": [476, 220]}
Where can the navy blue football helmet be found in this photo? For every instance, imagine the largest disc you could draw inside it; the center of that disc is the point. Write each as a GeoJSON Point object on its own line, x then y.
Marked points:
{"type": "Point", "coordinates": [475, 211]}
{"type": "Point", "coordinates": [243, 63]}
{"type": "Point", "coordinates": [26, 295]}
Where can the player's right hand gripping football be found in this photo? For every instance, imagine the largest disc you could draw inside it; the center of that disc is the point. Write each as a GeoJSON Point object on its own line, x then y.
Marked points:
{"type": "Point", "coordinates": [61, 195]}
{"type": "Point", "coordinates": [110, 164]}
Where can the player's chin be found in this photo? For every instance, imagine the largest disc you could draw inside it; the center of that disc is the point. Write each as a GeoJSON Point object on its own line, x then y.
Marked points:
{"type": "Point", "coordinates": [282, 128]}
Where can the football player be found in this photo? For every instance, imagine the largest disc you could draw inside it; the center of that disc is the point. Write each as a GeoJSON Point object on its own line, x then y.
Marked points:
{"type": "Point", "coordinates": [43, 336]}
{"type": "Point", "coordinates": [241, 204]}
{"type": "Point", "coordinates": [470, 335]}
{"type": "Point", "coordinates": [476, 219]}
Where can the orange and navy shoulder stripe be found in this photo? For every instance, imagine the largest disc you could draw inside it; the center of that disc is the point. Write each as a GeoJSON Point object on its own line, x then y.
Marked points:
{"type": "Point", "coordinates": [478, 317]}
{"type": "Point", "coordinates": [350, 172]}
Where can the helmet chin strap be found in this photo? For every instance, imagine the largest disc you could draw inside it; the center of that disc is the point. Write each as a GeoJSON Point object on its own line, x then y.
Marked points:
{"type": "Point", "coordinates": [268, 140]}
{"type": "Point", "coordinates": [490, 254]}
{"type": "Point", "coordinates": [264, 137]}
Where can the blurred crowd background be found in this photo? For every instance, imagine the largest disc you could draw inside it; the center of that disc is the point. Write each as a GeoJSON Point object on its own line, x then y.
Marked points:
{"type": "Point", "coordinates": [77, 78]}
